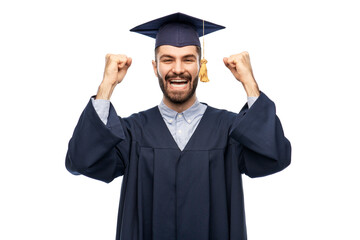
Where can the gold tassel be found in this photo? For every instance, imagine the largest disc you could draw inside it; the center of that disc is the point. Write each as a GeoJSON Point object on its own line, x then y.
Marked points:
{"type": "Point", "coordinates": [203, 71]}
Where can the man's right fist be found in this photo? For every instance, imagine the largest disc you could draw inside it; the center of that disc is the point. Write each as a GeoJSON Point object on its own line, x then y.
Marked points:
{"type": "Point", "coordinates": [116, 67]}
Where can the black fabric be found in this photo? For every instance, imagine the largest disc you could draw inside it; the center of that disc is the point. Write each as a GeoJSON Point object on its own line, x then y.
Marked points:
{"type": "Point", "coordinates": [170, 194]}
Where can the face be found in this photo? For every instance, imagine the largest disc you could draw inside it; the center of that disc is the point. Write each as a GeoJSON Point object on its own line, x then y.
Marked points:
{"type": "Point", "coordinates": [177, 69]}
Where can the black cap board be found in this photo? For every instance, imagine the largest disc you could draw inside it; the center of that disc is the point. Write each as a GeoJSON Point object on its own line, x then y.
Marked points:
{"type": "Point", "coordinates": [177, 30]}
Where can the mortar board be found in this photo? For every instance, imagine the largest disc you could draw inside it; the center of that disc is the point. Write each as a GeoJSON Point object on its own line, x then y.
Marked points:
{"type": "Point", "coordinates": [179, 30]}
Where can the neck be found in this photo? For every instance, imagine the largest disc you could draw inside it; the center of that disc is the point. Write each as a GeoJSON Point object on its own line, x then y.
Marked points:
{"type": "Point", "coordinates": [179, 107]}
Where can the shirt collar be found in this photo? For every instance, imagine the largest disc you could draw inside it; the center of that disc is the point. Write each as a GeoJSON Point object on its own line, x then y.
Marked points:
{"type": "Point", "coordinates": [167, 113]}
{"type": "Point", "coordinates": [189, 114]}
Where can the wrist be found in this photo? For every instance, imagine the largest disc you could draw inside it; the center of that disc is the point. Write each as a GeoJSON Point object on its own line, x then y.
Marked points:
{"type": "Point", "coordinates": [252, 89]}
{"type": "Point", "coordinates": [105, 91]}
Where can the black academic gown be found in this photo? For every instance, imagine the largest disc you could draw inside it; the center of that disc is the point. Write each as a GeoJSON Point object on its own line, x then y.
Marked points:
{"type": "Point", "coordinates": [169, 194]}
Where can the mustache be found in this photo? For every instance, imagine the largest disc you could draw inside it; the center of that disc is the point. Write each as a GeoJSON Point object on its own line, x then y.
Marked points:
{"type": "Point", "coordinates": [185, 76]}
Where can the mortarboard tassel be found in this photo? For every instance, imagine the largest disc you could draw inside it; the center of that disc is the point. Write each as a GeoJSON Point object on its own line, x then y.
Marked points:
{"type": "Point", "coordinates": [203, 70]}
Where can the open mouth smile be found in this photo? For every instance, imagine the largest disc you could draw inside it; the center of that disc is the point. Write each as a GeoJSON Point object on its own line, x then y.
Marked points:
{"type": "Point", "coordinates": [178, 83]}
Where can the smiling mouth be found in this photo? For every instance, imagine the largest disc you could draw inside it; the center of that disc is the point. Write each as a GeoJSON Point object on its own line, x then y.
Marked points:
{"type": "Point", "coordinates": [178, 82]}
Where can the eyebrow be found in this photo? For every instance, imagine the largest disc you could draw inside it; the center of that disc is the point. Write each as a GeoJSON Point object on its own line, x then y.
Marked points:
{"type": "Point", "coordinates": [189, 56]}
{"type": "Point", "coordinates": [186, 56]}
{"type": "Point", "coordinates": [166, 56]}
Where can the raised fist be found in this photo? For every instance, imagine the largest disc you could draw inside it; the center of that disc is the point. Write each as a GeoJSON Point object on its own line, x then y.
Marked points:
{"type": "Point", "coordinates": [240, 66]}
{"type": "Point", "coordinates": [116, 68]}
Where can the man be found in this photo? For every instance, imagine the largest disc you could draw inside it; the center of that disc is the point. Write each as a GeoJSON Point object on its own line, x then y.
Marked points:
{"type": "Point", "coordinates": [182, 160]}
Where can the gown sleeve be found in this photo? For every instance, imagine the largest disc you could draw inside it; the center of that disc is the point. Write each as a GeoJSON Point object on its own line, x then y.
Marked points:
{"type": "Point", "coordinates": [265, 148]}
{"type": "Point", "coordinates": [97, 150]}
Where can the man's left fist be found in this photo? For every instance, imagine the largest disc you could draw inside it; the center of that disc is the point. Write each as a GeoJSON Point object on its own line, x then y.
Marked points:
{"type": "Point", "coordinates": [240, 66]}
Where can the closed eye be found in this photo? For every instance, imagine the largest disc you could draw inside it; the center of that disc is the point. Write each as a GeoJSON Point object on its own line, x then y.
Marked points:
{"type": "Point", "coordinates": [166, 60]}
{"type": "Point", "coordinates": [189, 60]}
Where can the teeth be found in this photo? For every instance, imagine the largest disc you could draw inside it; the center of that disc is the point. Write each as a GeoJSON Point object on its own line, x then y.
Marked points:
{"type": "Point", "coordinates": [178, 85]}
{"type": "Point", "coordinates": [179, 81]}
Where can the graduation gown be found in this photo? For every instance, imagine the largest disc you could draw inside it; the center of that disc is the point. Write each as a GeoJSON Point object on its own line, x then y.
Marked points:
{"type": "Point", "coordinates": [169, 194]}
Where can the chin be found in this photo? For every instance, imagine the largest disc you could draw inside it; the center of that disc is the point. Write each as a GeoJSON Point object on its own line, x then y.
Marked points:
{"type": "Point", "coordinates": [178, 100]}
{"type": "Point", "coordinates": [179, 96]}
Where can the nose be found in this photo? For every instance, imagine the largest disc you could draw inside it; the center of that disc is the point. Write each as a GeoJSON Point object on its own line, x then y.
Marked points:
{"type": "Point", "coordinates": [178, 67]}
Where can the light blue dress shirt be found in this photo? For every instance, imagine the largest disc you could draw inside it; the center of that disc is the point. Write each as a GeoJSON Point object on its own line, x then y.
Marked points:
{"type": "Point", "coordinates": [181, 125]}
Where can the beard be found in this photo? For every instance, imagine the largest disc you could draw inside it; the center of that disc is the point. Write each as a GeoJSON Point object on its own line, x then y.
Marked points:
{"type": "Point", "coordinates": [178, 97]}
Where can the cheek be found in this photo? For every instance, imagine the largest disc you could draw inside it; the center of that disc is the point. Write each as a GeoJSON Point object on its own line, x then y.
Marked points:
{"type": "Point", "coordinates": [195, 70]}
{"type": "Point", "coordinates": [162, 71]}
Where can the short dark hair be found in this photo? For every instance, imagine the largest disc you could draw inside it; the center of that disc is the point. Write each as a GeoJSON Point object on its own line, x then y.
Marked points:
{"type": "Point", "coordinates": [198, 50]}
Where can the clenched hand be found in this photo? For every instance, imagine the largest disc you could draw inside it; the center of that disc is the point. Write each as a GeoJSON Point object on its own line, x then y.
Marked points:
{"type": "Point", "coordinates": [240, 67]}
{"type": "Point", "coordinates": [115, 70]}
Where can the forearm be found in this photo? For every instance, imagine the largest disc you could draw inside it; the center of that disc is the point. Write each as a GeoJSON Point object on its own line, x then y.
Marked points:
{"type": "Point", "coordinates": [252, 89]}
{"type": "Point", "coordinates": [252, 92]}
{"type": "Point", "coordinates": [105, 91]}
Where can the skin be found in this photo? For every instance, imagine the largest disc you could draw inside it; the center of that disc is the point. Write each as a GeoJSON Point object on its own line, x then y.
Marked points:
{"type": "Point", "coordinates": [240, 67]}
{"type": "Point", "coordinates": [175, 64]}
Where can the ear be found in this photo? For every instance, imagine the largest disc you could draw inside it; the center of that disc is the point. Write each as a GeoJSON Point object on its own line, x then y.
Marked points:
{"type": "Point", "coordinates": [155, 68]}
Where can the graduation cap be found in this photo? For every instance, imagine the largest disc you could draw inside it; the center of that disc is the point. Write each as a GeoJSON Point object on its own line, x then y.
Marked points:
{"type": "Point", "coordinates": [179, 30]}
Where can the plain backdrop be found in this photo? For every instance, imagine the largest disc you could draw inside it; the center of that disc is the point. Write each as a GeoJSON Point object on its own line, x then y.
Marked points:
{"type": "Point", "coordinates": [305, 57]}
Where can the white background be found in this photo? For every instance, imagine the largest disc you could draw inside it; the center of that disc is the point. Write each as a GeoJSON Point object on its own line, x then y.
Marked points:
{"type": "Point", "coordinates": [305, 57]}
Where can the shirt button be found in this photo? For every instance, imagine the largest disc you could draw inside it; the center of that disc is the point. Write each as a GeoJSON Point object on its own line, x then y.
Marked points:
{"type": "Point", "coordinates": [179, 131]}
{"type": "Point", "coordinates": [170, 121]}
{"type": "Point", "coordinates": [188, 121]}
{"type": "Point", "coordinates": [180, 115]}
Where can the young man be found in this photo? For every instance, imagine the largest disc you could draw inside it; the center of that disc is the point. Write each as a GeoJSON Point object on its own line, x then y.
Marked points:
{"type": "Point", "coordinates": [181, 161]}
